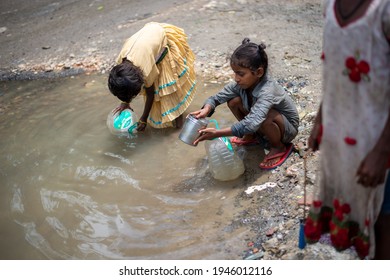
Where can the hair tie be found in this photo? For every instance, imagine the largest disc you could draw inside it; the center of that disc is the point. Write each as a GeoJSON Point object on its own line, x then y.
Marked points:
{"type": "Point", "coordinates": [261, 46]}
{"type": "Point", "coordinates": [245, 41]}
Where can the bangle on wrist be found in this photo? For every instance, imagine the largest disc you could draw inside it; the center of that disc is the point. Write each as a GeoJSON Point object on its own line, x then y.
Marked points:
{"type": "Point", "coordinates": [123, 102]}
{"type": "Point", "coordinates": [142, 122]}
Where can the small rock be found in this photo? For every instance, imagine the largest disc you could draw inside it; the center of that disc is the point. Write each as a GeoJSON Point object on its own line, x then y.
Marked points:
{"type": "Point", "coordinates": [270, 232]}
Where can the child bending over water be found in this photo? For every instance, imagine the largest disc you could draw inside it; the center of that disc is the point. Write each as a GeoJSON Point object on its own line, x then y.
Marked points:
{"type": "Point", "coordinates": [262, 107]}
{"type": "Point", "coordinates": [158, 63]}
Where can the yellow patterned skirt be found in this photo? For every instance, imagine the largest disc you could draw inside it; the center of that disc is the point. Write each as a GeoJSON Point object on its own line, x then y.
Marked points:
{"type": "Point", "coordinates": [176, 84]}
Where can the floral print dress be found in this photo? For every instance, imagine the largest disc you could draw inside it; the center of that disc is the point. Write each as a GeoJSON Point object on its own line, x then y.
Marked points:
{"type": "Point", "coordinates": [355, 105]}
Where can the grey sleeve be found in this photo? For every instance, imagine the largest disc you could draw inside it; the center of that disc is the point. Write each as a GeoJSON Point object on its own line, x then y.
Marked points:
{"type": "Point", "coordinates": [258, 113]}
{"type": "Point", "coordinates": [228, 92]}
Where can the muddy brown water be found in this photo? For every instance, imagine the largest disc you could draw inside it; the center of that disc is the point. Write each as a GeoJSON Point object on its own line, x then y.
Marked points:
{"type": "Point", "coordinates": [71, 190]}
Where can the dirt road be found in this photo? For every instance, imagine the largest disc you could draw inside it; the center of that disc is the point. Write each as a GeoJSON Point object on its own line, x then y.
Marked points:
{"type": "Point", "coordinates": [44, 38]}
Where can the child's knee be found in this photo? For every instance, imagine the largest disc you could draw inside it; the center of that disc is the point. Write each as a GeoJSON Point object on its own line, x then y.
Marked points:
{"type": "Point", "coordinates": [268, 122]}
{"type": "Point", "coordinates": [273, 118]}
{"type": "Point", "coordinates": [235, 103]}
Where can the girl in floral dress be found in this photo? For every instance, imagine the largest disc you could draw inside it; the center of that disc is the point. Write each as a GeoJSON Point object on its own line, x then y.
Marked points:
{"type": "Point", "coordinates": [352, 129]}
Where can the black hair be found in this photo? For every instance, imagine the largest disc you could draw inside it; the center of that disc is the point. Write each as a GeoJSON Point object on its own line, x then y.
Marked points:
{"type": "Point", "coordinates": [125, 80]}
{"type": "Point", "coordinates": [250, 55]}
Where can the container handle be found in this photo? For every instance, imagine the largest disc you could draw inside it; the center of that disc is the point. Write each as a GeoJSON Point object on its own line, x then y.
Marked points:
{"type": "Point", "coordinates": [215, 122]}
{"type": "Point", "coordinates": [225, 140]}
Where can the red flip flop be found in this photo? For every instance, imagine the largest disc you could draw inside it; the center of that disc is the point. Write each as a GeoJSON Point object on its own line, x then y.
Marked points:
{"type": "Point", "coordinates": [241, 142]}
{"type": "Point", "coordinates": [283, 156]}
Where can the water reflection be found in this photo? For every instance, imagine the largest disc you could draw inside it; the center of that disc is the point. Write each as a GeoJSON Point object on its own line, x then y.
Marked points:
{"type": "Point", "coordinates": [71, 190]}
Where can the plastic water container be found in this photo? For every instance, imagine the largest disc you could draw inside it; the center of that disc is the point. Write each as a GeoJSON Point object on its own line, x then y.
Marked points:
{"type": "Point", "coordinates": [123, 123]}
{"type": "Point", "coordinates": [224, 163]}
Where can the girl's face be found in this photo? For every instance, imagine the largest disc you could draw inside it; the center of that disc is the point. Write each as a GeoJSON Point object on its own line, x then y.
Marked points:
{"type": "Point", "coordinates": [245, 77]}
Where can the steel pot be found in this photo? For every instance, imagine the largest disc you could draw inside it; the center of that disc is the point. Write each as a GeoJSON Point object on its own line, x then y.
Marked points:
{"type": "Point", "coordinates": [191, 127]}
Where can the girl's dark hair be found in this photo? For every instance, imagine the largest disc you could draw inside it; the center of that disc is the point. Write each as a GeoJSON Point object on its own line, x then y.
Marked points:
{"type": "Point", "coordinates": [250, 55]}
{"type": "Point", "coordinates": [125, 80]}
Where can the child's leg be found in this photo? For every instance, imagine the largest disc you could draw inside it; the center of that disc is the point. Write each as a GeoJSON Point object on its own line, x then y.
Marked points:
{"type": "Point", "coordinates": [235, 105]}
{"type": "Point", "coordinates": [382, 237]}
{"type": "Point", "coordinates": [237, 108]}
{"type": "Point", "coordinates": [179, 121]}
{"type": "Point", "coordinates": [382, 227]}
{"type": "Point", "coordinates": [273, 129]}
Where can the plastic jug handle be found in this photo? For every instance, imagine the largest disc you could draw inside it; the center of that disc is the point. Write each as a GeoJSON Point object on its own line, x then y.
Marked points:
{"type": "Point", "coordinates": [225, 140]}
{"type": "Point", "coordinates": [215, 122]}
{"type": "Point", "coordinates": [131, 128]}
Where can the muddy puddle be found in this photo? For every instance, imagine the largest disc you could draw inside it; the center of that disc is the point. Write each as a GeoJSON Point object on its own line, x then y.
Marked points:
{"type": "Point", "coordinates": [71, 190]}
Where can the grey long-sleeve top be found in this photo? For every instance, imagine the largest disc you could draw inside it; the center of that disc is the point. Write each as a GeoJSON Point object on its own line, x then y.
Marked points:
{"type": "Point", "coordinates": [266, 95]}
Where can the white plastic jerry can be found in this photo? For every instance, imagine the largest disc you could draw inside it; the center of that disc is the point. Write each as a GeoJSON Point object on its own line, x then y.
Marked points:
{"type": "Point", "coordinates": [224, 163]}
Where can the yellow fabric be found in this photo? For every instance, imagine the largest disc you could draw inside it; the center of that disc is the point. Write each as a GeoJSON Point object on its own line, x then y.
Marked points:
{"type": "Point", "coordinates": [173, 77]}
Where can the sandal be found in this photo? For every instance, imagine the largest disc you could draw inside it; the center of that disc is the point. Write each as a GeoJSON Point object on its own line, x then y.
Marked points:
{"type": "Point", "coordinates": [283, 156]}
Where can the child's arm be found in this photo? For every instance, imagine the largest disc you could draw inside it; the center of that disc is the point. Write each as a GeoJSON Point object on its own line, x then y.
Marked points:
{"type": "Point", "coordinates": [211, 133]}
{"type": "Point", "coordinates": [121, 107]}
{"type": "Point", "coordinates": [315, 135]}
{"type": "Point", "coordinates": [372, 170]}
{"type": "Point", "coordinates": [148, 106]}
{"type": "Point", "coordinates": [228, 92]}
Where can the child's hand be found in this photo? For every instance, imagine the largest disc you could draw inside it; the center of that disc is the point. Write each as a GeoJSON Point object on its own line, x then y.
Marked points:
{"type": "Point", "coordinates": [121, 107]}
{"type": "Point", "coordinates": [141, 125]}
{"type": "Point", "coordinates": [372, 169]}
{"type": "Point", "coordinates": [314, 140]}
{"type": "Point", "coordinates": [199, 114]}
{"type": "Point", "coordinates": [206, 134]}
{"type": "Point", "coordinates": [315, 137]}
{"type": "Point", "coordinates": [202, 113]}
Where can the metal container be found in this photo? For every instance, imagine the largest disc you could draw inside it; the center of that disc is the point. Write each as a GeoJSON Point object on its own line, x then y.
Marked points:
{"type": "Point", "coordinates": [191, 127]}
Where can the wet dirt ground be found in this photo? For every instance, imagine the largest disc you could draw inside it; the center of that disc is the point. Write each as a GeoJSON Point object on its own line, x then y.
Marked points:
{"type": "Point", "coordinates": [51, 39]}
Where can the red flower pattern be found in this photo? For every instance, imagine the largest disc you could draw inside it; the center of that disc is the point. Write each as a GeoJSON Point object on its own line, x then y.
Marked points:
{"type": "Point", "coordinates": [317, 203]}
{"type": "Point", "coordinates": [340, 237]}
{"type": "Point", "coordinates": [350, 141]}
{"type": "Point", "coordinates": [313, 224]}
{"type": "Point", "coordinates": [312, 230]}
{"type": "Point", "coordinates": [356, 70]}
{"type": "Point", "coordinates": [363, 67]}
{"type": "Point", "coordinates": [362, 245]}
{"type": "Point", "coordinates": [339, 230]}
{"type": "Point", "coordinates": [344, 233]}
{"type": "Point", "coordinates": [326, 217]}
